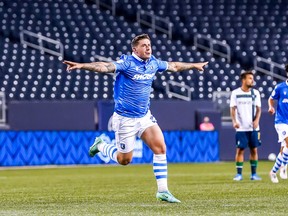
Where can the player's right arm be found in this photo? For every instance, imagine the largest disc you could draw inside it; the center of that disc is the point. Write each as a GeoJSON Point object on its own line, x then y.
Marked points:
{"type": "Point", "coordinates": [271, 108]}
{"type": "Point", "coordinates": [101, 67]}
{"type": "Point", "coordinates": [233, 117]}
{"type": "Point", "coordinates": [274, 96]}
{"type": "Point", "coordinates": [233, 107]}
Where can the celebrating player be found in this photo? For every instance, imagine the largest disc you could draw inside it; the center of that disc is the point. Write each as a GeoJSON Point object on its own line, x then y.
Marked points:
{"type": "Point", "coordinates": [245, 108]}
{"type": "Point", "coordinates": [132, 117]}
{"type": "Point", "coordinates": [280, 93]}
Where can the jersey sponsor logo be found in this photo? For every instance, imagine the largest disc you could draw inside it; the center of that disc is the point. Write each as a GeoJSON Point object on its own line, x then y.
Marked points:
{"type": "Point", "coordinates": [285, 100]}
{"type": "Point", "coordinates": [142, 76]}
{"type": "Point", "coordinates": [244, 102]}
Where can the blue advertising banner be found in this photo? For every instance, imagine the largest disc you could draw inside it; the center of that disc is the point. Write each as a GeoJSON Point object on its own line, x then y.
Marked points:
{"type": "Point", "coordinates": [28, 148]}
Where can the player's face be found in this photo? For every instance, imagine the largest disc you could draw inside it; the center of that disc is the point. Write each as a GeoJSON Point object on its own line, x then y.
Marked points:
{"type": "Point", "coordinates": [249, 80]}
{"type": "Point", "coordinates": [143, 50]}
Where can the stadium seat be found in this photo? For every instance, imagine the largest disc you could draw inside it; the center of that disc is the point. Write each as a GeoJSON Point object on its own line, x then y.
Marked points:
{"type": "Point", "coordinates": [258, 28]}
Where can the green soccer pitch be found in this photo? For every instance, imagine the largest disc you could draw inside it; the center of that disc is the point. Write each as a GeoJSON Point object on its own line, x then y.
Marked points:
{"type": "Point", "coordinates": [204, 189]}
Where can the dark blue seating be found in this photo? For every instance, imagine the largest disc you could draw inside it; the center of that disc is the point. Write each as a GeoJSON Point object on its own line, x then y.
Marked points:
{"type": "Point", "coordinates": [254, 28]}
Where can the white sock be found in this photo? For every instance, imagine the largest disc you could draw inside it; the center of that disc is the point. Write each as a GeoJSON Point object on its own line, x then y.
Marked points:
{"type": "Point", "coordinates": [277, 163]}
{"type": "Point", "coordinates": [108, 150]}
{"type": "Point", "coordinates": [285, 155]}
{"type": "Point", "coordinates": [160, 171]}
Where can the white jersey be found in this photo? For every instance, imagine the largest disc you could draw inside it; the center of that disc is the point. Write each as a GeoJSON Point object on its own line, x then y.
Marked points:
{"type": "Point", "coordinates": [245, 103]}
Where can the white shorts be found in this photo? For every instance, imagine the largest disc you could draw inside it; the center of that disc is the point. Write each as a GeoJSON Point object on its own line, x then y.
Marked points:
{"type": "Point", "coordinates": [128, 129]}
{"type": "Point", "coordinates": [282, 130]}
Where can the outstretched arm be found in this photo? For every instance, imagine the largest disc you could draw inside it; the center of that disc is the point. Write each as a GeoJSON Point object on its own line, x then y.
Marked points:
{"type": "Point", "coordinates": [101, 67]}
{"type": "Point", "coordinates": [181, 66]}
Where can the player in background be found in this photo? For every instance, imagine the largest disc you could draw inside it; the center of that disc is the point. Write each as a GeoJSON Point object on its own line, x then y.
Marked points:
{"type": "Point", "coordinates": [132, 117]}
{"type": "Point", "coordinates": [245, 110]}
{"type": "Point", "coordinates": [280, 93]}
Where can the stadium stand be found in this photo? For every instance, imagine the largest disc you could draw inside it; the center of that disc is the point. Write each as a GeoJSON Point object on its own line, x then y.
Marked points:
{"type": "Point", "coordinates": [251, 28]}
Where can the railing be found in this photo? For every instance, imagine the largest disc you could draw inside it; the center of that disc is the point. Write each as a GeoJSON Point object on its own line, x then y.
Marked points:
{"type": "Point", "coordinates": [222, 101]}
{"type": "Point", "coordinates": [211, 46]}
{"type": "Point", "coordinates": [271, 65]}
{"type": "Point", "coordinates": [169, 91]}
{"type": "Point", "coordinates": [42, 43]}
{"type": "Point", "coordinates": [111, 7]}
{"type": "Point", "coordinates": [2, 108]}
{"type": "Point", "coordinates": [103, 58]}
{"type": "Point", "coordinates": [154, 22]}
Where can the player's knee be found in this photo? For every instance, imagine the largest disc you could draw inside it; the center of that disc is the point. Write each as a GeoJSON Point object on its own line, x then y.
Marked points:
{"type": "Point", "coordinates": [240, 151]}
{"type": "Point", "coordinates": [162, 150]}
{"type": "Point", "coordinates": [124, 158]}
{"type": "Point", "coordinates": [253, 151]}
{"type": "Point", "coordinates": [159, 149]}
{"type": "Point", "coordinates": [124, 162]}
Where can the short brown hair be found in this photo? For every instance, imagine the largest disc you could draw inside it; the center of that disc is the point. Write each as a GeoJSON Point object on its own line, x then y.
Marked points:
{"type": "Point", "coordinates": [136, 39]}
{"type": "Point", "coordinates": [245, 73]}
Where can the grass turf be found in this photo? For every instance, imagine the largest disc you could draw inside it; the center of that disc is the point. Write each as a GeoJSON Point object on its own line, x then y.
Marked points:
{"type": "Point", "coordinates": [204, 189]}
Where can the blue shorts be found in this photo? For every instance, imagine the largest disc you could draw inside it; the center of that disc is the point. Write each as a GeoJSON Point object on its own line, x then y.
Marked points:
{"type": "Point", "coordinates": [249, 139]}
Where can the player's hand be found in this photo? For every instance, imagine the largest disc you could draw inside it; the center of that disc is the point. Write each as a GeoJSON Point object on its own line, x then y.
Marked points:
{"type": "Point", "coordinates": [199, 66]}
{"type": "Point", "coordinates": [72, 65]}
{"type": "Point", "coordinates": [236, 125]}
{"type": "Point", "coordinates": [255, 124]}
{"type": "Point", "coordinates": [271, 110]}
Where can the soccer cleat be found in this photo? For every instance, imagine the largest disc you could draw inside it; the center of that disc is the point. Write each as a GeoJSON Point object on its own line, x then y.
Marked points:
{"type": "Point", "coordinates": [255, 177]}
{"type": "Point", "coordinates": [283, 172]}
{"type": "Point", "coordinates": [166, 196]}
{"type": "Point", "coordinates": [93, 150]}
{"type": "Point", "coordinates": [238, 177]}
{"type": "Point", "coordinates": [273, 177]}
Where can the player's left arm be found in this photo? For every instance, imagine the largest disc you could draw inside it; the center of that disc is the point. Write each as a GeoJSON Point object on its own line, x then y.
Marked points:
{"type": "Point", "coordinates": [257, 117]}
{"type": "Point", "coordinates": [271, 103]}
{"type": "Point", "coordinates": [258, 109]}
{"type": "Point", "coordinates": [181, 66]}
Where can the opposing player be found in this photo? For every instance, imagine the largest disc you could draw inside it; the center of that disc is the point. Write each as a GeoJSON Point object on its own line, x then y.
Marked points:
{"type": "Point", "coordinates": [280, 93]}
{"type": "Point", "coordinates": [245, 109]}
{"type": "Point", "coordinates": [132, 117]}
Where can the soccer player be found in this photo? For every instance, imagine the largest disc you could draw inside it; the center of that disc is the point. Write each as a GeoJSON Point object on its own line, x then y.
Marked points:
{"type": "Point", "coordinates": [280, 93]}
{"type": "Point", "coordinates": [245, 109]}
{"type": "Point", "coordinates": [132, 117]}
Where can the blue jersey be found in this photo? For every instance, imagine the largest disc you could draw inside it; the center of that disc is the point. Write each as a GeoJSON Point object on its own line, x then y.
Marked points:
{"type": "Point", "coordinates": [132, 87]}
{"type": "Point", "coordinates": [280, 93]}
